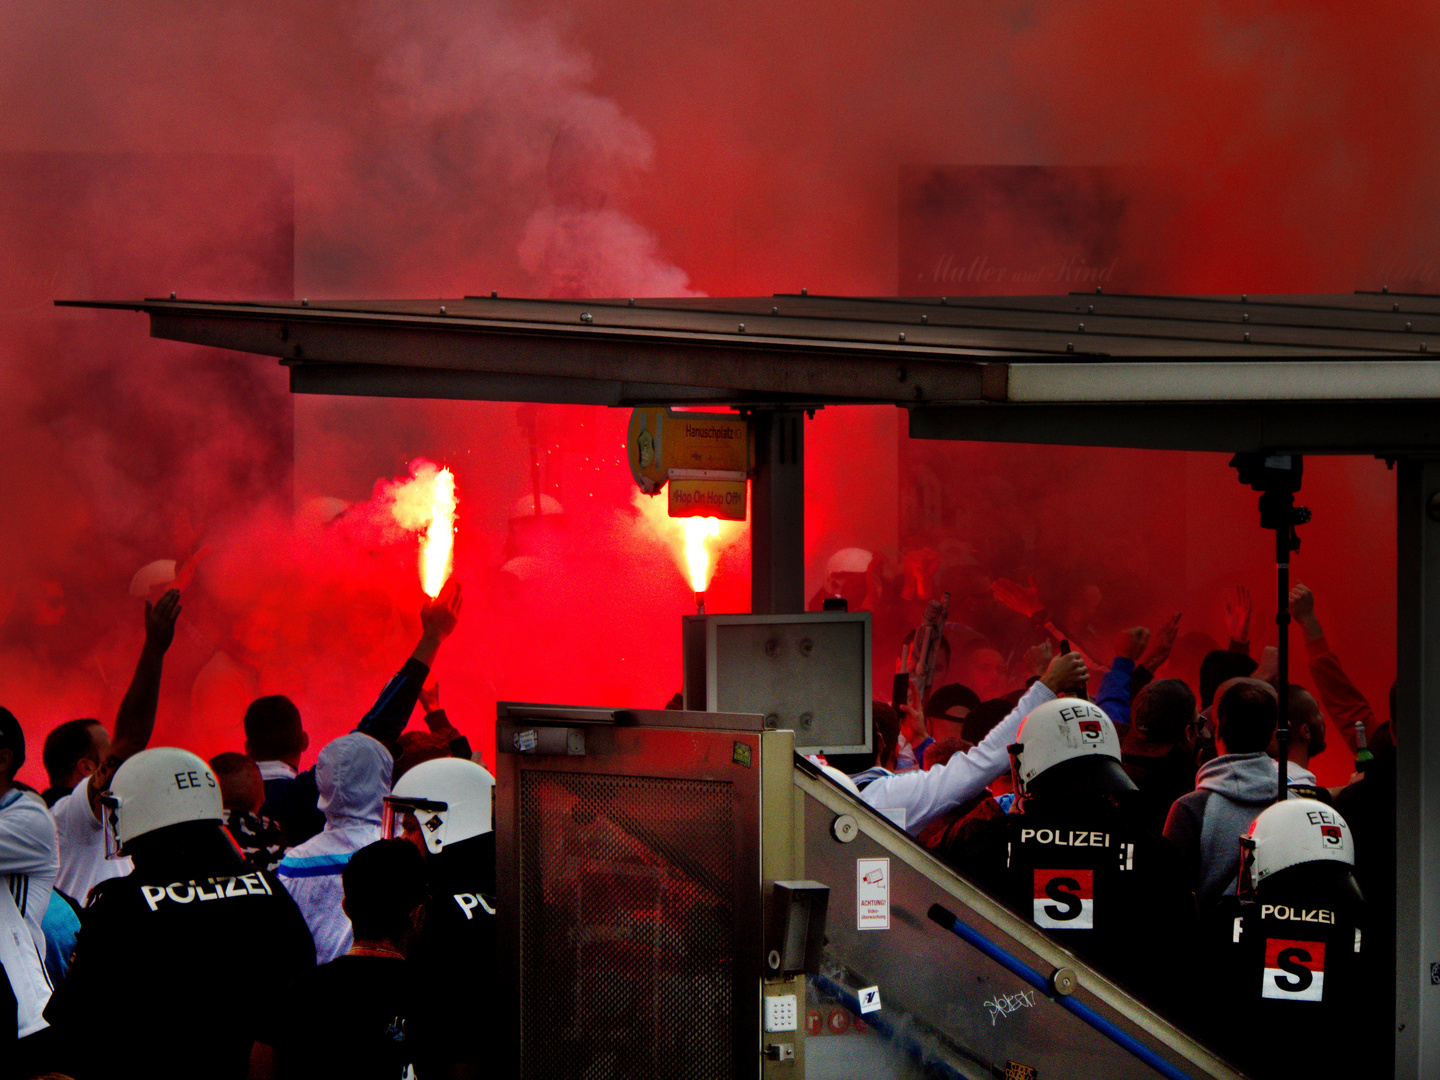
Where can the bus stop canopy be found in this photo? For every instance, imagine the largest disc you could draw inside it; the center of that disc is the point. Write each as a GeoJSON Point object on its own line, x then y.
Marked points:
{"type": "Point", "coordinates": [1280, 374]}
{"type": "Point", "coordinates": [1321, 374]}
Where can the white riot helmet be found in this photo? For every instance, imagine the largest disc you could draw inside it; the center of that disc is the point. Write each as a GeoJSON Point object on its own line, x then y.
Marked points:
{"type": "Point", "coordinates": [156, 788]}
{"type": "Point", "coordinates": [160, 572]}
{"type": "Point", "coordinates": [841, 779]}
{"type": "Point", "coordinates": [1064, 730]}
{"type": "Point", "coordinates": [447, 799]}
{"type": "Point", "coordinates": [851, 560]}
{"type": "Point", "coordinates": [1292, 833]}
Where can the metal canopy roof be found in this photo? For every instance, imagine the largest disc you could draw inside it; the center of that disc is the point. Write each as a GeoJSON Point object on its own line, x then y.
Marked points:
{"type": "Point", "coordinates": [1343, 373]}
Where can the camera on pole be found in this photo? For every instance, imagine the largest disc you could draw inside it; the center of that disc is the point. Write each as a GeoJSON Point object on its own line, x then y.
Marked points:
{"type": "Point", "coordinates": [1277, 477]}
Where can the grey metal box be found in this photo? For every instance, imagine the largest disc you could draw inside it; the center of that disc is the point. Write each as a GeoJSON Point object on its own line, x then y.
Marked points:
{"type": "Point", "coordinates": [630, 880]}
{"type": "Point", "coordinates": [809, 673]}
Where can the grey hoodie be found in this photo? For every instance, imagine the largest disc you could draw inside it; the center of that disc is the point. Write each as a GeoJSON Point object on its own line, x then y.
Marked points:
{"type": "Point", "coordinates": [1205, 826]}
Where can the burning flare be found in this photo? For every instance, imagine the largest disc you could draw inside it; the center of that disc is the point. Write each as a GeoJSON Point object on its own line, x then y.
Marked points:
{"type": "Point", "coordinates": [426, 504]}
{"type": "Point", "coordinates": [696, 544]}
{"type": "Point", "coordinates": [697, 555]}
{"type": "Point", "coordinates": [437, 548]}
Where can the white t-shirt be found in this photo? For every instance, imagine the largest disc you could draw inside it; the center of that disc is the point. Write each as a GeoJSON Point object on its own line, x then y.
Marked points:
{"type": "Point", "coordinates": [27, 871]}
{"type": "Point", "coordinates": [82, 846]}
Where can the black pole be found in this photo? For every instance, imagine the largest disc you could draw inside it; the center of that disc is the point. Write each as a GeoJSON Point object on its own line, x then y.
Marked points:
{"type": "Point", "coordinates": [1277, 477]}
{"type": "Point", "coordinates": [1283, 546]}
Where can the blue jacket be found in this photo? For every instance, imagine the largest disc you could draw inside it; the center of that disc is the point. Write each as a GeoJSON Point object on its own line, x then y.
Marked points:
{"type": "Point", "coordinates": [1114, 695]}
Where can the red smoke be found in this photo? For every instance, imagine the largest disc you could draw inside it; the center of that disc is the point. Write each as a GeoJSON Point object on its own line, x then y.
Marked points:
{"type": "Point", "coordinates": [581, 148]}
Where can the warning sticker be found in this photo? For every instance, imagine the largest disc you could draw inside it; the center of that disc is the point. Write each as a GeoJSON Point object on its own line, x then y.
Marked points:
{"type": "Point", "coordinates": [1065, 899]}
{"type": "Point", "coordinates": [1294, 970]}
{"type": "Point", "coordinates": [872, 894]}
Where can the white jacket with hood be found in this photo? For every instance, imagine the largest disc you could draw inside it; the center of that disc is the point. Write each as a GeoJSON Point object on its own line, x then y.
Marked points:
{"type": "Point", "coordinates": [353, 778]}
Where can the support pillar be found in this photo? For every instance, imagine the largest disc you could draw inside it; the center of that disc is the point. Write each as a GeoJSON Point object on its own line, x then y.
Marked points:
{"type": "Point", "coordinates": [777, 505]}
{"type": "Point", "coordinates": [1417, 781]}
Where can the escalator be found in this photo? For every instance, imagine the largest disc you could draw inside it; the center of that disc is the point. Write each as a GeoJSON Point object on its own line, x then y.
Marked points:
{"type": "Point", "coordinates": [641, 856]}
{"type": "Point", "coordinates": [968, 989]}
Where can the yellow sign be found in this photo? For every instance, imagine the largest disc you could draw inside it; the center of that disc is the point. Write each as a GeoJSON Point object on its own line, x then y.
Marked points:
{"type": "Point", "coordinates": [662, 439]}
{"type": "Point", "coordinates": [708, 441]}
{"type": "Point", "coordinates": [708, 498]}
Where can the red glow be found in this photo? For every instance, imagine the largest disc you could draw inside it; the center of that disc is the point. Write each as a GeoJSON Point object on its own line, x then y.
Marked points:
{"type": "Point", "coordinates": [736, 148]}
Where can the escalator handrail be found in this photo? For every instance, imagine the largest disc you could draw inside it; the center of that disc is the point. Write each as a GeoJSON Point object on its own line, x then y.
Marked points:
{"type": "Point", "coordinates": [950, 921]}
{"type": "Point", "coordinates": [898, 843]}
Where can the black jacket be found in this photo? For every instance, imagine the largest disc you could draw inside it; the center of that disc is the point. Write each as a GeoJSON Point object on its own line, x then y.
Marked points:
{"type": "Point", "coordinates": [176, 961]}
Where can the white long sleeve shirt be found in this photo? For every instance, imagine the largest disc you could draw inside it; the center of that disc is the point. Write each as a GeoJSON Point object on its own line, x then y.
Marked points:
{"type": "Point", "coordinates": [925, 794]}
{"type": "Point", "coordinates": [28, 863]}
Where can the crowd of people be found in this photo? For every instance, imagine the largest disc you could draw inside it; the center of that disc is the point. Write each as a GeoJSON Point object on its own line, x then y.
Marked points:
{"type": "Point", "coordinates": [1144, 829]}
{"type": "Point", "coordinates": [165, 915]}
{"type": "Point", "coordinates": [248, 917]}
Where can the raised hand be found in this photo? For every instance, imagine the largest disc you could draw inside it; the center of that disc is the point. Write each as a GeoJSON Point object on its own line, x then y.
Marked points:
{"type": "Point", "coordinates": [1302, 602]}
{"type": "Point", "coordinates": [1038, 657]}
{"type": "Point", "coordinates": [1066, 674]}
{"type": "Point", "coordinates": [1160, 645]}
{"type": "Point", "coordinates": [1131, 643]}
{"type": "Point", "coordinates": [912, 724]}
{"type": "Point", "coordinates": [437, 622]}
{"type": "Point", "coordinates": [439, 616]}
{"type": "Point", "coordinates": [1024, 599]}
{"type": "Point", "coordinates": [1302, 606]}
{"type": "Point", "coordinates": [160, 620]}
{"type": "Point", "coordinates": [1237, 612]}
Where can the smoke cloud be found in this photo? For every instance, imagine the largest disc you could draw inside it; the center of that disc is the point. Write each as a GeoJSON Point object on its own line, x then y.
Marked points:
{"type": "Point", "coordinates": [377, 148]}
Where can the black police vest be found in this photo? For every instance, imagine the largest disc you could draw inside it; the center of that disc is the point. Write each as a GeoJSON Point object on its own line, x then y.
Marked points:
{"type": "Point", "coordinates": [455, 956]}
{"type": "Point", "coordinates": [1102, 886]}
{"type": "Point", "coordinates": [1289, 961]}
{"type": "Point", "coordinates": [184, 963]}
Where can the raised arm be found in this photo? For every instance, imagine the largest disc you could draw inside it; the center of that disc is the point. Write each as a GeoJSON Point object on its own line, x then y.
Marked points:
{"type": "Point", "coordinates": [437, 622]}
{"type": "Point", "coordinates": [439, 723]}
{"type": "Point", "coordinates": [391, 712]}
{"type": "Point", "coordinates": [1025, 600]}
{"type": "Point", "coordinates": [1114, 693]}
{"type": "Point", "coordinates": [135, 722]}
{"type": "Point", "coordinates": [925, 795]}
{"type": "Point", "coordinates": [1345, 704]}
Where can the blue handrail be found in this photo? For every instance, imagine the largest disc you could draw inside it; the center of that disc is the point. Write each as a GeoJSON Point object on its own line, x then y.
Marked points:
{"type": "Point", "coordinates": [1016, 966]}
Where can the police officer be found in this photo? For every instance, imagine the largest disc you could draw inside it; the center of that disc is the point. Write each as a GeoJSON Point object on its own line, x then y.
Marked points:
{"type": "Point", "coordinates": [444, 807]}
{"type": "Point", "coordinates": [1073, 857]}
{"type": "Point", "coordinates": [174, 961]}
{"type": "Point", "coordinates": [1287, 979]}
